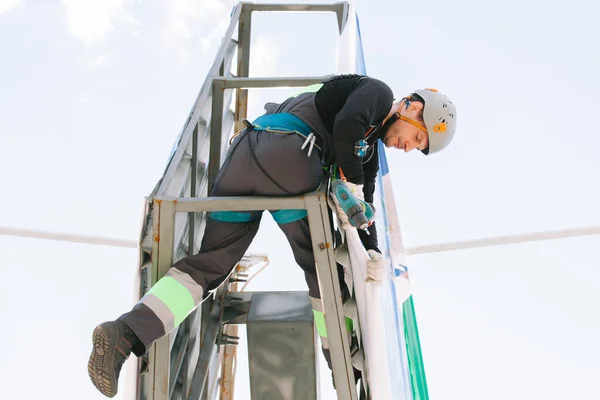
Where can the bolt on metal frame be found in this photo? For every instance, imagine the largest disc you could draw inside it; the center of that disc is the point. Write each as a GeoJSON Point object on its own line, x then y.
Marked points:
{"type": "Point", "coordinates": [182, 364]}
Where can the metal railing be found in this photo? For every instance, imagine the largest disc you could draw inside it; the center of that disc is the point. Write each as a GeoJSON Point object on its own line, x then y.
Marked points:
{"type": "Point", "coordinates": [165, 211]}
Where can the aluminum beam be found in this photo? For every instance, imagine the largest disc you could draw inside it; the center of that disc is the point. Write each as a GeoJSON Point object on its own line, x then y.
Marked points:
{"type": "Point", "coordinates": [159, 353]}
{"type": "Point", "coordinates": [237, 203]}
{"type": "Point", "coordinates": [230, 83]}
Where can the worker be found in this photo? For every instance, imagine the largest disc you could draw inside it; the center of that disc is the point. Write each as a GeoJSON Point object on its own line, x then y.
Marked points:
{"type": "Point", "coordinates": [282, 153]}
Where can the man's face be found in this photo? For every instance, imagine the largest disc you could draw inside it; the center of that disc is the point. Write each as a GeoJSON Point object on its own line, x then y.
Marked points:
{"type": "Point", "coordinates": [405, 136]}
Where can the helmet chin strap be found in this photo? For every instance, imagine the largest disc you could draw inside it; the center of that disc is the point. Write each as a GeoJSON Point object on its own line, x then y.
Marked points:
{"type": "Point", "coordinates": [415, 123]}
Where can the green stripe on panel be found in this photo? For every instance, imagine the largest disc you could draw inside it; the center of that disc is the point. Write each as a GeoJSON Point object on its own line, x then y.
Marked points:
{"type": "Point", "coordinates": [175, 296]}
{"type": "Point", "coordinates": [415, 357]}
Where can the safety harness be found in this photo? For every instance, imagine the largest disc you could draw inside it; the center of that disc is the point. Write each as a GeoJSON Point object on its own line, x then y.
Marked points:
{"type": "Point", "coordinates": [281, 123]}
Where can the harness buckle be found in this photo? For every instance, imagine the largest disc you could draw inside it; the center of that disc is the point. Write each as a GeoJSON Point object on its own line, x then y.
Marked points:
{"type": "Point", "coordinates": [247, 123]}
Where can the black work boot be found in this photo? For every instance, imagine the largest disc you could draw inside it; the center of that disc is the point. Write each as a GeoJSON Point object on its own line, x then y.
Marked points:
{"type": "Point", "coordinates": [113, 344]}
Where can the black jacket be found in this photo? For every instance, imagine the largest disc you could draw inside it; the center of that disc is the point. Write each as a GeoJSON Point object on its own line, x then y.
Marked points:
{"type": "Point", "coordinates": [351, 106]}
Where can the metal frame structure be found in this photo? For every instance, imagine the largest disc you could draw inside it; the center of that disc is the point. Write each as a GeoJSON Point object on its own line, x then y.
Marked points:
{"type": "Point", "coordinates": [163, 362]}
{"type": "Point", "coordinates": [184, 365]}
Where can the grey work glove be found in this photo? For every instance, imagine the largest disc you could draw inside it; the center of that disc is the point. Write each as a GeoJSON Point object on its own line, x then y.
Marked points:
{"type": "Point", "coordinates": [376, 265]}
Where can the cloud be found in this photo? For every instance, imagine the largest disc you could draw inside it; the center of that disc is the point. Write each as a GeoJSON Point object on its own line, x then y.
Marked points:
{"type": "Point", "coordinates": [186, 13]}
{"type": "Point", "coordinates": [264, 56]}
{"type": "Point", "coordinates": [191, 23]}
{"type": "Point", "coordinates": [98, 61]}
{"type": "Point", "coordinates": [7, 5]}
{"type": "Point", "coordinates": [83, 98]}
{"type": "Point", "coordinates": [91, 20]}
{"type": "Point", "coordinates": [93, 59]}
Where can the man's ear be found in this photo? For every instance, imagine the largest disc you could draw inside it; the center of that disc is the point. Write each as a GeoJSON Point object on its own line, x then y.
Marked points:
{"type": "Point", "coordinates": [415, 106]}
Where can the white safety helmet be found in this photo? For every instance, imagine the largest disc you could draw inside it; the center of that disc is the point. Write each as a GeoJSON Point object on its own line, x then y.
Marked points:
{"type": "Point", "coordinates": [439, 115]}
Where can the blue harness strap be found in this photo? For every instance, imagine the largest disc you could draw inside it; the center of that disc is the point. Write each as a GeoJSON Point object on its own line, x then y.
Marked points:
{"type": "Point", "coordinates": [288, 123]}
{"type": "Point", "coordinates": [282, 122]}
{"type": "Point", "coordinates": [283, 217]}
{"type": "Point", "coordinates": [233, 216]}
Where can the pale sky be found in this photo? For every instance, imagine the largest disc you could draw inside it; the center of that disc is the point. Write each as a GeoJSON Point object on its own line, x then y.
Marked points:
{"type": "Point", "coordinates": [94, 93]}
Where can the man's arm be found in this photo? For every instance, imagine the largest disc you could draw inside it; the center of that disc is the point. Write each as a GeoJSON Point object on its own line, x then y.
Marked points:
{"type": "Point", "coordinates": [368, 104]}
{"type": "Point", "coordinates": [370, 169]}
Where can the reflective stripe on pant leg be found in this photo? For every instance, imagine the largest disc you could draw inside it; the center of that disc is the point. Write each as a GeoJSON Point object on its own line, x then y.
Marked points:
{"type": "Point", "coordinates": [319, 318]}
{"type": "Point", "coordinates": [164, 306]}
{"type": "Point", "coordinates": [173, 298]}
{"type": "Point", "coordinates": [311, 88]}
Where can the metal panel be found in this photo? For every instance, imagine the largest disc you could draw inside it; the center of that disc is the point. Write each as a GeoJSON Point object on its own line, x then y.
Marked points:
{"type": "Point", "coordinates": [282, 347]}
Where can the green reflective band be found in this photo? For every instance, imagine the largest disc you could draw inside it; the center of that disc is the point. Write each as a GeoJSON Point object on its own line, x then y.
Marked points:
{"type": "Point", "coordinates": [320, 323]}
{"type": "Point", "coordinates": [175, 296]}
{"type": "Point", "coordinates": [349, 324]}
{"type": "Point", "coordinates": [319, 318]}
{"type": "Point", "coordinates": [288, 216]}
{"type": "Point", "coordinates": [311, 89]}
{"type": "Point", "coordinates": [231, 216]}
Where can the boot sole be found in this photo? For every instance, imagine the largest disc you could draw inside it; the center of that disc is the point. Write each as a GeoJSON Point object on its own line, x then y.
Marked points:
{"type": "Point", "coordinates": [103, 378]}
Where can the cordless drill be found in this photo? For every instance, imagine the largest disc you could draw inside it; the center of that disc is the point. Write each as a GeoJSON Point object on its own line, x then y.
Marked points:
{"type": "Point", "coordinates": [360, 213]}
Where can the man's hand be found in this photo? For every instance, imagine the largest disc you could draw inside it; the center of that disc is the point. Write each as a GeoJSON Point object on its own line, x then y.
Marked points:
{"type": "Point", "coordinates": [342, 217]}
{"type": "Point", "coordinates": [357, 191]}
{"type": "Point", "coordinates": [376, 268]}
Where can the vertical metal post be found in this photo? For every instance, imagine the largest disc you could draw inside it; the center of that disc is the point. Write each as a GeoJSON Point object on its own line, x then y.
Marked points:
{"type": "Point", "coordinates": [208, 348]}
{"type": "Point", "coordinates": [243, 64]}
{"type": "Point", "coordinates": [342, 16]}
{"type": "Point", "coordinates": [162, 256]}
{"type": "Point", "coordinates": [331, 297]}
{"type": "Point", "coordinates": [229, 352]}
{"type": "Point", "coordinates": [193, 185]}
{"type": "Point", "coordinates": [216, 127]}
